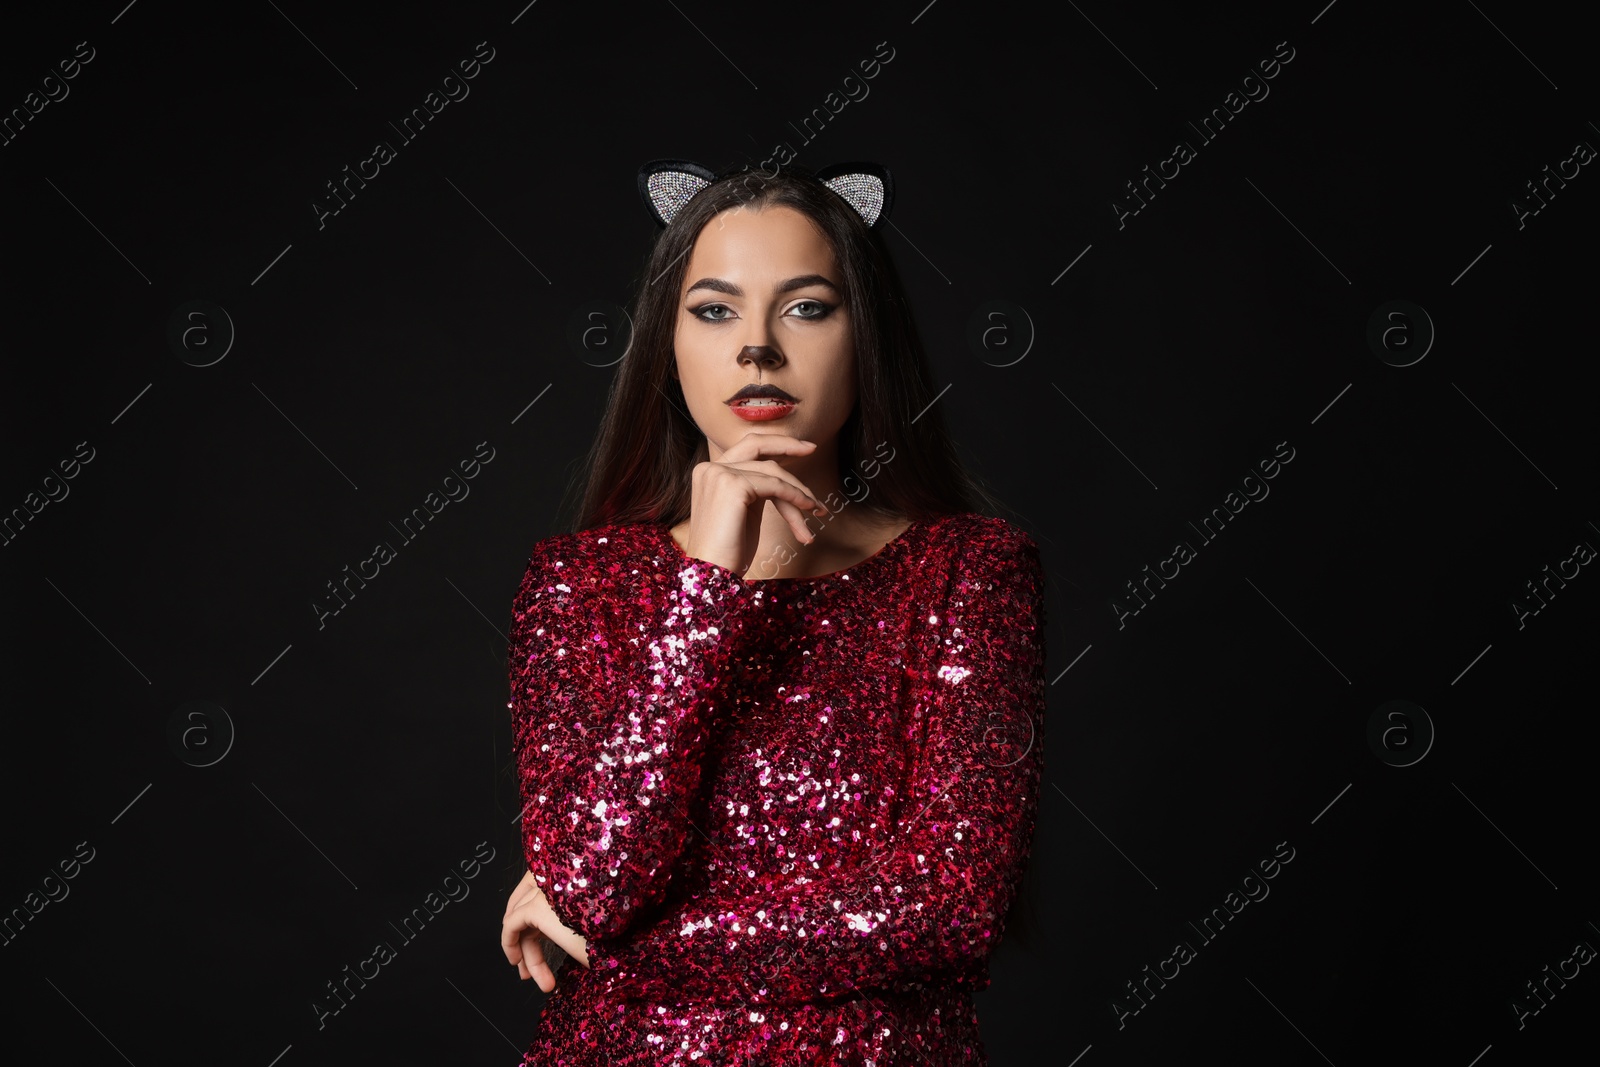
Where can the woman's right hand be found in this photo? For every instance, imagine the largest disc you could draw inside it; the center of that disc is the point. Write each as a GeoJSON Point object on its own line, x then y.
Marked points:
{"type": "Point", "coordinates": [536, 955]}
{"type": "Point", "coordinates": [730, 495]}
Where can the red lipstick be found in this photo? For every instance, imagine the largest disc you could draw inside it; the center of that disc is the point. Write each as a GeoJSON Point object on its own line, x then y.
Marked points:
{"type": "Point", "coordinates": [761, 403]}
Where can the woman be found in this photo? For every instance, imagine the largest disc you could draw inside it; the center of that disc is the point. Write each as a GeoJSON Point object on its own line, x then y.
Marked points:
{"type": "Point", "coordinates": [778, 696]}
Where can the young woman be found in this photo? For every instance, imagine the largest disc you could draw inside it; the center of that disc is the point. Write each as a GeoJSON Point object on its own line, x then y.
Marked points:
{"type": "Point", "coordinates": [778, 696]}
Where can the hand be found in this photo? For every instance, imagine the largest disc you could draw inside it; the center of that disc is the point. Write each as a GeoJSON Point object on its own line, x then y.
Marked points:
{"type": "Point", "coordinates": [730, 495]}
{"type": "Point", "coordinates": [534, 939]}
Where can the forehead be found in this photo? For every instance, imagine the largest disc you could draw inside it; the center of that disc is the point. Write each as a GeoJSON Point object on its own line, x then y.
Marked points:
{"type": "Point", "coordinates": [755, 246]}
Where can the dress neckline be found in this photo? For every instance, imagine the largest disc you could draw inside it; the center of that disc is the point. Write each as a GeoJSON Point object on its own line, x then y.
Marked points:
{"type": "Point", "coordinates": [877, 559]}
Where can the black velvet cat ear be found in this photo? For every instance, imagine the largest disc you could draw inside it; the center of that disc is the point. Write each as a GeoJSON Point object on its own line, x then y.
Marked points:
{"type": "Point", "coordinates": [668, 184]}
{"type": "Point", "coordinates": [866, 186]}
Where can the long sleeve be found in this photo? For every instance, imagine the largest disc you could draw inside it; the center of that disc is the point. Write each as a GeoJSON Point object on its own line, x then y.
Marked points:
{"type": "Point", "coordinates": [614, 668]}
{"type": "Point", "coordinates": [929, 902]}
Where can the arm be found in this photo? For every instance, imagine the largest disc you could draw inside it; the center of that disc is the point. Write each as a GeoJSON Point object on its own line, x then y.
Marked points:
{"type": "Point", "coordinates": [930, 902]}
{"type": "Point", "coordinates": [613, 697]}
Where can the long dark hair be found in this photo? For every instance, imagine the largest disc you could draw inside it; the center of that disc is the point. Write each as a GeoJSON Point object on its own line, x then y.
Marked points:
{"type": "Point", "coordinates": [638, 467]}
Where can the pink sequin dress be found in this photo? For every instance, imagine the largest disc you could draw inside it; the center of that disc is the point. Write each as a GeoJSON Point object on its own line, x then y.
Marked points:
{"type": "Point", "coordinates": [788, 816]}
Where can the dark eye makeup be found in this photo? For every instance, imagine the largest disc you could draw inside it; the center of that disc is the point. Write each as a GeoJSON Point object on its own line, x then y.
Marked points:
{"type": "Point", "coordinates": [824, 309]}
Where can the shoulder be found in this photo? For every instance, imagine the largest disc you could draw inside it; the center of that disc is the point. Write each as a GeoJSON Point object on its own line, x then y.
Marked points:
{"type": "Point", "coordinates": [995, 575]}
{"type": "Point", "coordinates": [984, 556]}
{"type": "Point", "coordinates": [613, 555]}
{"type": "Point", "coordinates": [969, 537]}
{"type": "Point", "coordinates": [602, 545]}
{"type": "Point", "coordinates": [580, 579]}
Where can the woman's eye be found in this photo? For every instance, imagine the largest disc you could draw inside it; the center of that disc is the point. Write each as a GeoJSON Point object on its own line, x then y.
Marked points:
{"type": "Point", "coordinates": [805, 309]}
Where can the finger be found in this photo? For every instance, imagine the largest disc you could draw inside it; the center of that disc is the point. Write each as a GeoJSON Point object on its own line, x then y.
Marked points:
{"type": "Point", "coordinates": [756, 444]}
{"type": "Point", "coordinates": [526, 892]}
{"type": "Point", "coordinates": [511, 938]}
{"type": "Point", "coordinates": [782, 473]}
{"type": "Point", "coordinates": [523, 946]}
{"type": "Point", "coordinates": [525, 965]}
{"type": "Point", "coordinates": [783, 490]}
{"type": "Point", "coordinates": [796, 520]}
{"type": "Point", "coordinates": [518, 892]}
{"type": "Point", "coordinates": [533, 952]}
{"type": "Point", "coordinates": [520, 897]}
{"type": "Point", "coordinates": [523, 943]}
{"type": "Point", "coordinates": [773, 482]}
{"type": "Point", "coordinates": [512, 949]}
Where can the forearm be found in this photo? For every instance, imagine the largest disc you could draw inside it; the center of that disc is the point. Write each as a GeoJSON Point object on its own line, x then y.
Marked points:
{"type": "Point", "coordinates": [614, 697]}
{"type": "Point", "coordinates": [916, 917]}
{"type": "Point", "coordinates": [925, 899]}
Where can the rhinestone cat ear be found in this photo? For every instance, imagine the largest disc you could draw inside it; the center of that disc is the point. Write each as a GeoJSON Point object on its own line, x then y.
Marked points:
{"type": "Point", "coordinates": [666, 185]}
{"type": "Point", "coordinates": [866, 186]}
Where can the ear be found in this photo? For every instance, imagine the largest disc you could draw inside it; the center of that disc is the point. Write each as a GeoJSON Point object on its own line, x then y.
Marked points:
{"type": "Point", "coordinates": [866, 186]}
{"type": "Point", "coordinates": [668, 184]}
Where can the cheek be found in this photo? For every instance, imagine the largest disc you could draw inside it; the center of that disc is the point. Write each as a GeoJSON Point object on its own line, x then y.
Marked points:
{"type": "Point", "coordinates": [839, 389]}
{"type": "Point", "coordinates": [691, 361]}
{"type": "Point", "coordinates": [845, 384]}
{"type": "Point", "coordinates": [687, 352]}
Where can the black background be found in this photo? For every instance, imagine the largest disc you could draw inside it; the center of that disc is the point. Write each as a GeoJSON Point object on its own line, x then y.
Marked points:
{"type": "Point", "coordinates": [1179, 349]}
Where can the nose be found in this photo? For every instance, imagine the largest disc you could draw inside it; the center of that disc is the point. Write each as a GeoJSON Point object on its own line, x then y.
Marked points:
{"type": "Point", "coordinates": [764, 356]}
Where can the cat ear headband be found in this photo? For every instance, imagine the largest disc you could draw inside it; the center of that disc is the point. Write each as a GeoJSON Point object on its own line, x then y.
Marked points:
{"type": "Point", "coordinates": [666, 185]}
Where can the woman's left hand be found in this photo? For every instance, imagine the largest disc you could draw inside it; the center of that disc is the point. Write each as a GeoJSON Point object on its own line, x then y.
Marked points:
{"type": "Point", "coordinates": [529, 926]}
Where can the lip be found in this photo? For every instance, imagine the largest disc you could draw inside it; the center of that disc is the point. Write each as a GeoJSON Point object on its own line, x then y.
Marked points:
{"type": "Point", "coordinates": [765, 389]}
{"type": "Point", "coordinates": [760, 412]}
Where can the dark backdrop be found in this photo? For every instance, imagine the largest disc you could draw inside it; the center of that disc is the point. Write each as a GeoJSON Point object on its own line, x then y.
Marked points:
{"type": "Point", "coordinates": [1114, 372]}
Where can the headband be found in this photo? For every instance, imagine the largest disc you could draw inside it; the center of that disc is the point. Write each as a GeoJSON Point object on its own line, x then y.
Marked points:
{"type": "Point", "coordinates": [666, 185]}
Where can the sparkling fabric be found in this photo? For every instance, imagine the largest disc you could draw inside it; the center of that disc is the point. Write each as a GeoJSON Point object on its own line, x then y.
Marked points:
{"type": "Point", "coordinates": [864, 191]}
{"type": "Point", "coordinates": [787, 816]}
{"type": "Point", "coordinates": [671, 189]}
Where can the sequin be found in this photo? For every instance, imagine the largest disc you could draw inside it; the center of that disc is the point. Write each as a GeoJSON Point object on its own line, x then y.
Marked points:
{"type": "Point", "coordinates": [787, 816]}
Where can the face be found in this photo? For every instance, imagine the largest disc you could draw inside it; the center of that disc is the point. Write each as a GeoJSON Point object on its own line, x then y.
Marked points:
{"type": "Point", "coordinates": [762, 303]}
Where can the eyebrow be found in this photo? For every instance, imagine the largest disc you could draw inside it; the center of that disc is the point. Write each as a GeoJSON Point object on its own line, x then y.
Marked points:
{"type": "Point", "coordinates": [800, 282]}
